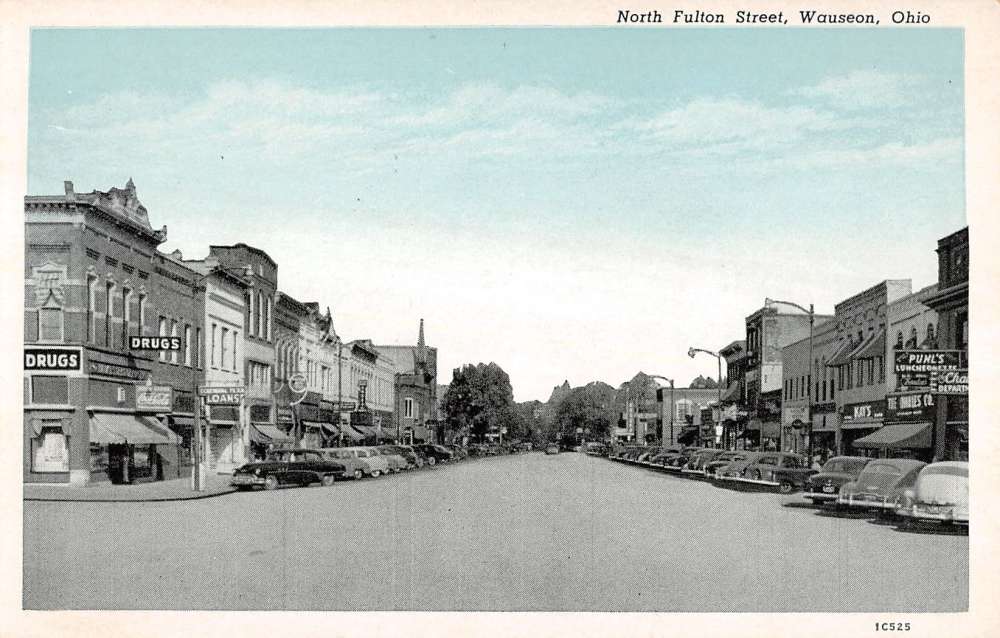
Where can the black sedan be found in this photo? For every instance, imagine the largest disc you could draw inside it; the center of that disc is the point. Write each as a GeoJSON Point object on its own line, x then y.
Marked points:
{"type": "Point", "coordinates": [288, 467]}
{"type": "Point", "coordinates": [435, 453]}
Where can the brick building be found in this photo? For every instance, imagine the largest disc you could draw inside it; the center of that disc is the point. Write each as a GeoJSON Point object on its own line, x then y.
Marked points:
{"type": "Point", "coordinates": [415, 410]}
{"type": "Point", "coordinates": [94, 277]}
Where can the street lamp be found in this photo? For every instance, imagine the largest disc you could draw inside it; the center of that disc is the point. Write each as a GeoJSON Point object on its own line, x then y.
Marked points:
{"type": "Point", "coordinates": [809, 368]}
{"type": "Point", "coordinates": [672, 408]}
{"type": "Point", "coordinates": [718, 358]}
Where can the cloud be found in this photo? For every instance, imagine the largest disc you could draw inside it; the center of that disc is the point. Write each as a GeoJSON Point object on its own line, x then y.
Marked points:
{"type": "Point", "coordinates": [865, 89]}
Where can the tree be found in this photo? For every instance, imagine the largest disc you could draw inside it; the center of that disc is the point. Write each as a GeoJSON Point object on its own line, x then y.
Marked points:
{"type": "Point", "coordinates": [480, 399]}
{"type": "Point", "coordinates": [590, 408]}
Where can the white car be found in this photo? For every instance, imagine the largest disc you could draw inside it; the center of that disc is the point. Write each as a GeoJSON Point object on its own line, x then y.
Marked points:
{"type": "Point", "coordinates": [941, 493]}
{"type": "Point", "coordinates": [377, 464]}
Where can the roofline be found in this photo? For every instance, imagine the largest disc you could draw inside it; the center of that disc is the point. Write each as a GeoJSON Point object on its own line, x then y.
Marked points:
{"type": "Point", "coordinates": [252, 249]}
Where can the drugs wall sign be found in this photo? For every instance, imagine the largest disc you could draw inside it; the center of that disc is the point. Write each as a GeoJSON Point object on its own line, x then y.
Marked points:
{"type": "Point", "coordinates": [58, 359]}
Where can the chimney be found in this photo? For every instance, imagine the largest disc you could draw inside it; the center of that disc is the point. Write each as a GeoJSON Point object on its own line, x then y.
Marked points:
{"type": "Point", "coordinates": [70, 194]}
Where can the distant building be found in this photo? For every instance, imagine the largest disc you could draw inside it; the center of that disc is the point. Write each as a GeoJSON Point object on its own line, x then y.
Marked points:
{"type": "Point", "coordinates": [415, 409]}
{"type": "Point", "coordinates": [681, 413]}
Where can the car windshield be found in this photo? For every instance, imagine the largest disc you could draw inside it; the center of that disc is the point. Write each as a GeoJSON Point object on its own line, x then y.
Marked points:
{"type": "Point", "coordinates": [883, 468]}
{"type": "Point", "coordinates": [847, 466]}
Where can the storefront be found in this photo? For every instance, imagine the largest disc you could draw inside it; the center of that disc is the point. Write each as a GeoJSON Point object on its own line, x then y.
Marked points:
{"type": "Point", "coordinates": [858, 420]}
{"type": "Point", "coordinates": [825, 423]}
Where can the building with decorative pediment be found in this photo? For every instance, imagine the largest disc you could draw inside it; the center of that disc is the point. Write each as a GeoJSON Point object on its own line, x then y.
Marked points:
{"type": "Point", "coordinates": [94, 277]}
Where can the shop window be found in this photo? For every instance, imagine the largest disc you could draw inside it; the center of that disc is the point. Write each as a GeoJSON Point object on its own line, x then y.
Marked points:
{"type": "Point", "coordinates": [54, 390]}
{"type": "Point", "coordinates": [260, 413]}
{"type": "Point", "coordinates": [49, 451]}
{"type": "Point", "coordinates": [98, 458]}
{"type": "Point", "coordinates": [50, 322]}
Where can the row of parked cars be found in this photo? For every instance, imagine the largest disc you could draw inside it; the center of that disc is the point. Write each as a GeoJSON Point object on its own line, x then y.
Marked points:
{"type": "Point", "coordinates": [327, 465]}
{"type": "Point", "coordinates": [903, 487]}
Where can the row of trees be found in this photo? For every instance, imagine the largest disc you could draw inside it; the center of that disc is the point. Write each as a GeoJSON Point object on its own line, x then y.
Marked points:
{"type": "Point", "coordinates": [480, 401]}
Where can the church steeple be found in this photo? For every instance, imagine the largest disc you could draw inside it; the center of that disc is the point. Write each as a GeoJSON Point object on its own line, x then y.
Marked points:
{"type": "Point", "coordinates": [421, 346]}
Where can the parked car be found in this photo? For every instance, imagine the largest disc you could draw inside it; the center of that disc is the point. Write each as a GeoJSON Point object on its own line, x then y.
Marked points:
{"type": "Point", "coordinates": [696, 462]}
{"type": "Point", "coordinates": [375, 463]}
{"type": "Point", "coordinates": [824, 486]}
{"type": "Point", "coordinates": [735, 467]}
{"type": "Point", "coordinates": [409, 454]}
{"type": "Point", "coordinates": [353, 466]}
{"type": "Point", "coordinates": [396, 462]}
{"type": "Point", "coordinates": [457, 451]}
{"type": "Point", "coordinates": [435, 453]}
{"type": "Point", "coordinates": [787, 470]}
{"type": "Point", "coordinates": [552, 448]}
{"type": "Point", "coordinates": [675, 462]}
{"type": "Point", "coordinates": [596, 449]}
{"type": "Point", "coordinates": [941, 493]}
{"type": "Point", "coordinates": [713, 468]}
{"type": "Point", "coordinates": [881, 484]}
{"type": "Point", "coordinates": [288, 467]}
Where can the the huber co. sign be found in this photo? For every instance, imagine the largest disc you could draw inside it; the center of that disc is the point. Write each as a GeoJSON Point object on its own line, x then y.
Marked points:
{"type": "Point", "coordinates": [909, 406]}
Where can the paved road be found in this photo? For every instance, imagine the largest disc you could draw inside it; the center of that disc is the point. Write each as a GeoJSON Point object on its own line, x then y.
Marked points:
{"type": "Point", "coordinates": [528, 532]}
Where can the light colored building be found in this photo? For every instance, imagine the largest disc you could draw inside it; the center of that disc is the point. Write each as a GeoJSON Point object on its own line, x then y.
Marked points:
{"type": "Point", "coordinates": [364, 363]}
{"type": "Point", "coordinates": [226, 427]}
{"type": "Point", "coordinates": [798, 380]}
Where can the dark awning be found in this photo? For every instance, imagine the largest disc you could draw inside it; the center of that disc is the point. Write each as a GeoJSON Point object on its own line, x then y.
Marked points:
{"type": "Point", "coordinates": [114, 427]}
{"type": "Point", "coordinates": [263, 433]}
{"type": "Point", "coordinates": [842, 355]}
{"type": "Point", "coordinates": [732, 393]}
{"type": "Point", "coordinates": [873, 347]}
{"type": "Point", "coordinates": [897, 436]}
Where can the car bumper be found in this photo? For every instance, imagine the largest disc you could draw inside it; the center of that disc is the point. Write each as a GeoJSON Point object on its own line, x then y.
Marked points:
{"type": "Point", "coordinates": [820, 496]}
{"type": "Point", "coordinates": [242, 480]}
{"type": "Point", "coordinates": [867, 502]}
{"type": "Point", "coordinates": [932, 513]}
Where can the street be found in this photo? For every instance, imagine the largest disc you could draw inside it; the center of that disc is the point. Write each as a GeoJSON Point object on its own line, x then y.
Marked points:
{"type": "Point", "coordinates": [518, 533]}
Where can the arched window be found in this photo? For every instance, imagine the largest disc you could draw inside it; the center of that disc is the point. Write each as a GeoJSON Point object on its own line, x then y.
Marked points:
{"type": "Point", "coordinates": [912, 343]}
{"type": "Point", "coordinates": [899, 340]}
{"type": "Point", "coordinates": [930, 332]}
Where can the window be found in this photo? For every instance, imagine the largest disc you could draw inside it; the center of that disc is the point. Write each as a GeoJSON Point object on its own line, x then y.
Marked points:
{"type": "Point", "coordinates": [197, 350]}
{"type": "Point", "coordinates": [408, 408]}
{"type": "Point", "coordinates": [248, 302]}
{"type": "Point", "coordinates": [930, 332]}
{"type": "Point", "coordinates": [223, 348]}
{"type": "Point", "coordinates": [50, 322]}
{"type": "Point", "coordinates": [50, 390]}
{"type": "Point", "coordinates": [49, 452]}
{"type": "Point", "coordinates": [174, 332]}
{"type": "Point", "coordinates": [912, 343]}
{"type": "Point", "coordinates": [260, 311]}
{"type": "Point", "coordinates": [899, 340]}
{"type": "Point", "coordinates": [235, 340]}
{"type": "Point", "coordinates": [962, 330]}
{"type": "Point", "coordinates": [126, 314]}
{"type": "Point", "coordinates": [880, 362]}
{"type": "Point", "coordinates": [91, 307]}
{"type": "Point", "coordinates": [187, 345]}
{"type": "Point", "coordinates": [163, 333]}
{"type": "Point", "coordinates": [109, 311]}
{"type": "Point", "coordinates": [215, 329]}
{"type": "Point", "coordinates": [267, 321]}
{"type": "Point", "coordinates": [142, 315]}
{"type": "Point", "coordinates": [832, 393]}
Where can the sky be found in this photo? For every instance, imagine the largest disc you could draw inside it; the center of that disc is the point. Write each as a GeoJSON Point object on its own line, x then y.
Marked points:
{"type": "Point", "coordinates": [572, 204]}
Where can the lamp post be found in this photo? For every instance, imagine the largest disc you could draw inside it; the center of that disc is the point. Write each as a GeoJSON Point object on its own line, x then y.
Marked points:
{"type": "Point", "coordinates": [809, 368]}
{"type": "Point", "coordinates": [672, 409]}
{"type": "Point", "coordinates": [718, 359]}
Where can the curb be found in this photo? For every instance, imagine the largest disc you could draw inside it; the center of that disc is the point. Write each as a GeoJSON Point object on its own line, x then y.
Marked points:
{"type": "Point", "coordinates": [164, 499]}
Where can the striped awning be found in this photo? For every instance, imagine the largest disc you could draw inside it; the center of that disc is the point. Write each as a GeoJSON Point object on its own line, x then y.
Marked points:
{"type": "Point", "coordinates": [842, 356]}
{"type": "Point", "coordinates": [116, 427]}
{"type": "Point", "coordinates": [897, 436]}
{"type": "Point", "coordinates": [874, 347]}
{"type": "Point", "coordinates": [263, 433]}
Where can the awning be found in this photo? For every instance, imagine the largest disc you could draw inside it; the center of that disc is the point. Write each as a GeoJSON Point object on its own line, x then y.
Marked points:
{"type": "Point", "coordinates": [329, 428]}
{"type": "Point", "coordinates": [312, 425]}
{"type": "Point", "coordinates": [688, 435]}
{"type": "Point", "coordinates": [264, 433]}
{"type": "Point", "coordinates": [732, 393]}
{"type": "Point", "coordinates": [897, 436]}
{"type": "Point", "coordinates": [875, 347]}
{"type": "Point", "coordinates": [116, 427]}
{"type": "Point", "coordinates": [842, 356]}
{"type": "Point", "coordinates": [351, 433]}
{"type": "Point", "coordinates": [365, 430]}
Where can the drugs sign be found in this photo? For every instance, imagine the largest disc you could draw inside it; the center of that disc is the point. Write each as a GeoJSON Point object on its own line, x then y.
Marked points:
{"type": "Point", "coordinates": [61, 359]}
{"type": "Point", "coordinates": [154, 343]}
{"type": "Point", "coordinates": [950, 382]}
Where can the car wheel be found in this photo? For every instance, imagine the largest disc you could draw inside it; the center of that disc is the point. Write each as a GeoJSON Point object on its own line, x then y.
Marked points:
{"type": "Point", "coordinates": [786, 487]}
{"type": "Point", "coordinates": [328, 480]}
{"type": "Point", "coordinates": [431, 461]}
{"type": "Point", "coordinates": [376, 473]}
{"type": "Point", "coordinates": [358, 475]}
{"type": "Point", "coordinates": [271, 482]}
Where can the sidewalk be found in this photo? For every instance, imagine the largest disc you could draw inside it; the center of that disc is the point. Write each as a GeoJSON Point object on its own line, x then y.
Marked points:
{"type": "Point", "coordinates": [172, 490]}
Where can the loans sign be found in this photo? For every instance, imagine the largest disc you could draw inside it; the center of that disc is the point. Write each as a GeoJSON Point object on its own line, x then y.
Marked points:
{"type": "Point", "coordinates": [222, 395]}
